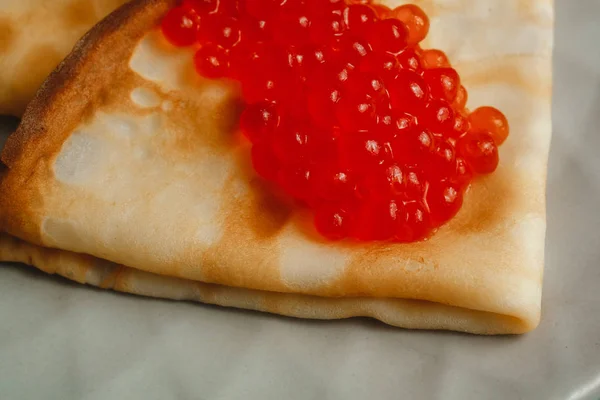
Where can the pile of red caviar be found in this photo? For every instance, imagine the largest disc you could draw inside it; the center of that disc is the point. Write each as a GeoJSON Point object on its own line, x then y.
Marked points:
{"type": "Point", "coordinates": [345, 111]}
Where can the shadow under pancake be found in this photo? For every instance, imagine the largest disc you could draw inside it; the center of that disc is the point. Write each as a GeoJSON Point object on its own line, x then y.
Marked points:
{"type": "Point", "coordinates": [7, 126]}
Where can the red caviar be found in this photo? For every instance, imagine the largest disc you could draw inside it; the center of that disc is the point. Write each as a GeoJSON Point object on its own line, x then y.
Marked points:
{"type": "Point", "coordinates": [345, 111]}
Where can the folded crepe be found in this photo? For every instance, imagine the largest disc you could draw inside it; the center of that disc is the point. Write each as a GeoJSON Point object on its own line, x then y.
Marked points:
{"type": "Point", "coordinates": [126, 155]}
{"type": "Point", "coordinates": [35, 35]}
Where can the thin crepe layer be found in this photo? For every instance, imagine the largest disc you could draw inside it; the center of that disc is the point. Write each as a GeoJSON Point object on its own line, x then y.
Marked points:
{"type": "Point", "coordinates": [412, 314]}
{"type": "Point", "coordinates": [35, 35]}
{"type": "Point", "coordinates": [150, 149]}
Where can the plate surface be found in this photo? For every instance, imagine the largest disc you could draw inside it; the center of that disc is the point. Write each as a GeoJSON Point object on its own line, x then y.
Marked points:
{"type": "Point", "coordinates": [59, 340]}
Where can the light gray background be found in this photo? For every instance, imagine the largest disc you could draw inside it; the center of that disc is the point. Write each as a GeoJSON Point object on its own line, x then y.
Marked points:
{"type": "Point", "coordinates": [62, 341]}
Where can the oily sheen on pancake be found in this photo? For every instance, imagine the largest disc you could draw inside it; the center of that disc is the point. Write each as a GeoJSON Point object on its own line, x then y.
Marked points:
{"type": "Point", "coordinates": [35, 35]}
{"type": "Point", "coordinates": [127, 155]}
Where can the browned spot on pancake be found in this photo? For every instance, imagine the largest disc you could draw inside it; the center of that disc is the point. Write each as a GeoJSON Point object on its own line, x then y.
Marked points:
{"type": "Point", "coordinates": [228, 117]}
{"type": "Point", "coordinates": [268, 213]}
{"type": "Point", "coordinates": [7, 34]}
{"type": "Point", "coordinates": [486, 205]}
{"type": "Point", "coordinates": [264, 209]}
{"type": "Point", "coordinates": [365, 270]}
{"type": "Point", "coordinates": [102, 98]}
{"type": "Point", "coordinates": [239, 268]}
{"type": "Point", "coordinates": [109, 98]}
{"type": "Point", "coordinates": [106, 6]}
{"type": "Point", "coordinates": [203, 117]}
{"type": "Point", "coordinates": [79, 13]}
{"type": "Point", "coordinates": [32, 71]}
{"type": "Point", "coordinates": [253, 218]}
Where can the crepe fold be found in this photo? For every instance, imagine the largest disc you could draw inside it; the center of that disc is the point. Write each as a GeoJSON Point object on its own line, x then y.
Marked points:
{"type": "Point", "coordinates": [35, 35]}
{"type": "Point", "coordinates": [126, 157]}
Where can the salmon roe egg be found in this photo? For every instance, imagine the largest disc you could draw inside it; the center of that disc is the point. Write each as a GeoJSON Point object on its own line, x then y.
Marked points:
{"type": "Point", "coordinates": [180, 27]}
{"type": "Point", "coordinates": [344, 110]}
{"type": "Point", "coordinates": [491, 120]}
{"type": "Point", "coordinates": [434, 59]}
{"type": "Point", "coordinates": [415, 20]}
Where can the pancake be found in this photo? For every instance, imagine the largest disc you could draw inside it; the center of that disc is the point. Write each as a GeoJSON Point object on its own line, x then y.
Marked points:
{"type": "Point", "coordinates": [35, 35]}
{"type": "Point", "coordinates": [126, 155]}
{"type": "Point", "coordinates": [413, 314]}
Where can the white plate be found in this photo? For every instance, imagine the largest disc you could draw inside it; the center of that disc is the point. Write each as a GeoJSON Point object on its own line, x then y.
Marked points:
{"type": "Point", "coordinates": [59, 340]}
